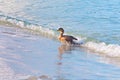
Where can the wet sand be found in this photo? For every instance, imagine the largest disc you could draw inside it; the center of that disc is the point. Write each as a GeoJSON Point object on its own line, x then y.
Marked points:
{"type": "Point", "coordinates": [27, 56]}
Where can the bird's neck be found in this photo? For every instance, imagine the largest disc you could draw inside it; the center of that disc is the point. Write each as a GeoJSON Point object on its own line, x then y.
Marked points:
{"type": "Point", "coordinates": [61, 34]}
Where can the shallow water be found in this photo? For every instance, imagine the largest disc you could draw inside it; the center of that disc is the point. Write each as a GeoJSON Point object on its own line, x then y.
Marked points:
{"type": "Point", "coordinates": [94, 22]}
{"type": "Point", "coordinates": [29, 48]}
{"type": "Point", "coordinates": [98, 20]}
{"type": "Point", "coordinates": [25, 55]}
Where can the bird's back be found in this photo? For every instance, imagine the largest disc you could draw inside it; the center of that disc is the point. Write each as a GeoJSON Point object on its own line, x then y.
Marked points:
{"type": "Point", "coordinates": [69, 39]}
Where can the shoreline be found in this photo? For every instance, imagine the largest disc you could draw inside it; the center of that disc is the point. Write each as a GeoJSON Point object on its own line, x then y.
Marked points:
{"type": "Point", "coordinates": [18, 47]}
{"type": "Point", "coordinates": [25, 55]}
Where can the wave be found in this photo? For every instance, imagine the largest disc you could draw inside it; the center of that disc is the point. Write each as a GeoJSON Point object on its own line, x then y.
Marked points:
{"type": "Point", "coordinates": [24, 24]}
{"type": "Point", "coordinates": [112, 50]}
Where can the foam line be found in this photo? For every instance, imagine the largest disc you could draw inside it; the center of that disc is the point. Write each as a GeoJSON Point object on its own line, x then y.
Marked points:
{"type": "Point", "coordinates": [23, 24]}
{"type": "Point", "coordinates": [112, 50]}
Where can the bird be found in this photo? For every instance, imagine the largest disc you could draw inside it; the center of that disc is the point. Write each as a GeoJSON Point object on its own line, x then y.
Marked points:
{"type": "Point", "coordinates": [66, 38]}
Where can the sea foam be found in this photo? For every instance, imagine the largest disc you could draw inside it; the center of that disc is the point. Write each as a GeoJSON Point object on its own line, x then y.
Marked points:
{"type": "Point", "coordinates": [112, 50]}
{"type": "Point", "coordinates": [23, 24]}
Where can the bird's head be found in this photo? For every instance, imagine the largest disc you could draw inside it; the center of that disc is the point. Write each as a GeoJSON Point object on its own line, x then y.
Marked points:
{"type": "Point", "coordinates": [61, 30]}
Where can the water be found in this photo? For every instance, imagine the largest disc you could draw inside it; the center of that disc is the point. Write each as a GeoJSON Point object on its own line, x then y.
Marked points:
{"type": "Point", "coordinates": [96, 22]}
{"type": "Point", "coordinates": [25, 56]}
{"type": "Point", "coordinates": [94, 19]}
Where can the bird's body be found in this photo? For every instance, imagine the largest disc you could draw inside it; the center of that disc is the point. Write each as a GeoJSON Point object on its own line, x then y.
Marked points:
{"type": "Point", "coordinates": [66, 38]}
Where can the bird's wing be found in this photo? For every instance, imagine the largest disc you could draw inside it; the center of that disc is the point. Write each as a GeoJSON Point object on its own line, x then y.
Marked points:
{"type": "Point", "coordinates": [70, 37]}
{"type": "Point", "coordinates": [74, 38]}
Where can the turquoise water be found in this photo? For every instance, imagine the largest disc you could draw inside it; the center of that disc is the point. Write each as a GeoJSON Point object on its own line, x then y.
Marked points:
{"type": "Point", "coordinates": [98, 20]}
{"type": "Point", "coordinates": [95, 22]}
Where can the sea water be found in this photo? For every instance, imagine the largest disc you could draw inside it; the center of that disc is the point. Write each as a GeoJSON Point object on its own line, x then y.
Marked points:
{"type": "Point", "coordinates": [26, 56]}
{"type": "Point", "coordinates": [95, 22]}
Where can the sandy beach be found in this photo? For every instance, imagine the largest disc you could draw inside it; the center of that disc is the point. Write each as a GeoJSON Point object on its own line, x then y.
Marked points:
{"type": "Point", "coordinates": [27, 56]}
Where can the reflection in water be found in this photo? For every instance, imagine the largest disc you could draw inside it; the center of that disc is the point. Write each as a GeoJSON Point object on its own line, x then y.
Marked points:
{"type": "Point", "coordinates": [63, 49]}
{"type": "Point", "coordinates": [68, 67]}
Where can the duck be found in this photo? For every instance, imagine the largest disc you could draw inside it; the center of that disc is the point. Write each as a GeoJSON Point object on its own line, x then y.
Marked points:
{"type": "Point", "coordinates": [66, 38]}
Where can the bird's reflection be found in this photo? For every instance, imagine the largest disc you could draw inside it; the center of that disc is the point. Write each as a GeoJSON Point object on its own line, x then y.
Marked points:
{"type": "Point", "coordinates": [65, 49]}
{"type": "Point", "coordinates": [62, 49]}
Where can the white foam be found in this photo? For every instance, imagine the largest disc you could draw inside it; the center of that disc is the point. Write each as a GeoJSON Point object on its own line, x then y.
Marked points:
{"type": "Point", "coordinates": [108, 49]}
{"type": "Point", "coordinates": [111, 50]}
{"type": "Point", "coordinates": [43, 31]}
{"type": "Point", "coordinates": [36, 28]}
